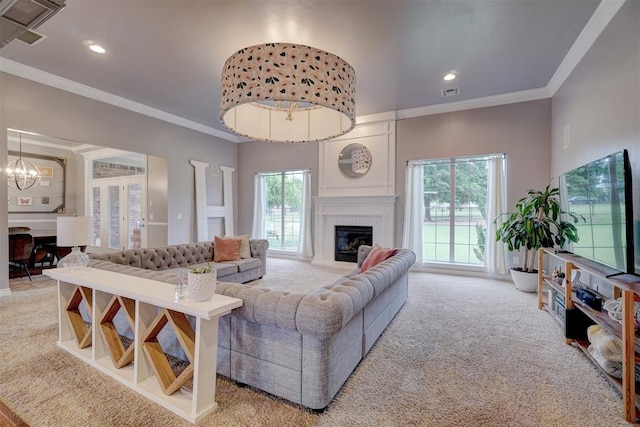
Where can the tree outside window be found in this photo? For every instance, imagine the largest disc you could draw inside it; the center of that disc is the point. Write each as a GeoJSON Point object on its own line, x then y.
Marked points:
{"type": "Point", "coordinates": [455, 199]}
{"type": "Point", "coordinates": [283, 208]}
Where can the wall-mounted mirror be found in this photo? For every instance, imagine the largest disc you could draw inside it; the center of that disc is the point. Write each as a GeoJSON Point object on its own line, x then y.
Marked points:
{"type": "Point", "coordinates": [48, 194]}
{"type": "Point", "coordinates": [354, 160]}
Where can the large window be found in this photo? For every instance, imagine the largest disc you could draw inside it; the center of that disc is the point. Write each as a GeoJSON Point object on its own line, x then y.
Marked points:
{"type": "Point", "coordinates": [283, 208]}
{"type": "Point", "coordinates": [455, 192]}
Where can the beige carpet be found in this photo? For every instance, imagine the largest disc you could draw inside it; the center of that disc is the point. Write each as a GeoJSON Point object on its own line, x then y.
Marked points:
{"type": "Point", "coordinates": [461, 352]}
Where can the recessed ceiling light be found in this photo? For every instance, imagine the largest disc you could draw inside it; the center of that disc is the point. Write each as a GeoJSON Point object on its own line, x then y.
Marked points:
{"type": "Point", "coordinates": [97, 48]}
{"type": "Point", "coordinates": [450, 76]}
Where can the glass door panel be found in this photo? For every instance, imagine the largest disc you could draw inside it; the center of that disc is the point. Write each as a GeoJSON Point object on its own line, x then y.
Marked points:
{"type": "Point", "coordinates": [135, 219]}
{"type": "Point", "coordinates": [113, 209]}
{"type": "Point", "coordinates": [116, 198]}
{"type": "Point", "coordinates": [119, 215]}
{"type": "Point", "coordinates": [94, 211]}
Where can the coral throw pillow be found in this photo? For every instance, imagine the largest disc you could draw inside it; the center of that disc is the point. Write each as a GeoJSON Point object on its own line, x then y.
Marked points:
{"type": "Point", "coordinates": [376, 256]}
{"type": "Point", "coordinates": [226, 249]}
{"type": "Point", "coordinates": [245, 248]}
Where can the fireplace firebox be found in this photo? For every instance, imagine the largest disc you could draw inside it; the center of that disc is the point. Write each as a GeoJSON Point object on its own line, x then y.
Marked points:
{"type": "Point", "coordinates": [349, 238]}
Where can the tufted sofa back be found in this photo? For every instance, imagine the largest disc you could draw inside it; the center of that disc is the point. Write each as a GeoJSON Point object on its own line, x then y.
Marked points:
{"type": "Point", "coordinates": [161, 258]}
{"type": "Point", "coordinates": [130, 257]}
{"type": "Point", "coordinates": [324, 311]}
{"type": "Point", "coordinates": [176, 256]}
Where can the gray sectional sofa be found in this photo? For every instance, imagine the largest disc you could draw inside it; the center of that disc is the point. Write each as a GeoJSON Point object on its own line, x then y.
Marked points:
{"type": "Point", "coordinates": [302, 346]}
{"type": "Point", "coordinates": [165, 263]}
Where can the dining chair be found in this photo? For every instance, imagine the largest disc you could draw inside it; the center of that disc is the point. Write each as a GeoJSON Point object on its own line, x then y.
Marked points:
{"type": "Point", "coordinates": [20, 248]}
{"type": "Point", "coordinates": [19, 229]}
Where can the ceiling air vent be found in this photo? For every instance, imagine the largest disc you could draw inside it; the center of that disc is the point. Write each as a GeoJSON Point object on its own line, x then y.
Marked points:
{"type": "Point", "coordinates": [450, 92]}
{"type": "Point", "coordinates": [19, 17]}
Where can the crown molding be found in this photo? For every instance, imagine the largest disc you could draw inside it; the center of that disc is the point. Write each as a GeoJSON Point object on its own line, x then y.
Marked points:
{"type": "Point", "coordinates": [379, 117]}
{"type": "Point", "coordinates": [469, 104]}
{"type": "Point", "coordinates": [603, 14]}
{"type": "Point", "coordinates": [48, 79]}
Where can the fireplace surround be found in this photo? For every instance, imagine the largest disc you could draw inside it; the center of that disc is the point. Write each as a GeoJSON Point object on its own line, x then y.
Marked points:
{"type": "Point", "coordinates": [349, 238]}
{"type": "Point", "coordinates": [376, 212]}
{"type": "Point", "coordinates": [369, 200]}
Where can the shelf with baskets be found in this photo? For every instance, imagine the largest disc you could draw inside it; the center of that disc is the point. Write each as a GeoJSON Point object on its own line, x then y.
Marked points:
{"type": "Point", "coordinates": [577, 316]}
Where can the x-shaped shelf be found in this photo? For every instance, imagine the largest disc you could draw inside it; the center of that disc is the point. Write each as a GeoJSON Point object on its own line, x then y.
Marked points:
{"type": "Point", "coordinates": [120, 355]}
{"type": "Point", "coordinates": [186, 336]}
{"type": "Point", "coordinates": [80, 329]}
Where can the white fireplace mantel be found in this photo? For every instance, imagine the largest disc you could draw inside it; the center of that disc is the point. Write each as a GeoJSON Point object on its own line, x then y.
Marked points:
{"type": "Point", "coordinates": [375, 211]}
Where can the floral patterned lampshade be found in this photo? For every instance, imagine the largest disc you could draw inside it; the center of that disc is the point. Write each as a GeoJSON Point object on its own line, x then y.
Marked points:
{"type": "Point", "coordinates": [282, 92]}
{"type": "Point", "coordinates": [360, 160]}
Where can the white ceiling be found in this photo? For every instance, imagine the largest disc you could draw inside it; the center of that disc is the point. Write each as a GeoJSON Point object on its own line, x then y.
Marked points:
{"type": "Point", "coordinates": [168, 55]}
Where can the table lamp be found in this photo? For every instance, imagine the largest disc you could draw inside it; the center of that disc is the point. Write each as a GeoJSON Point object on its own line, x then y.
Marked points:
{"type": "Point", "coordinates": [74, 231]}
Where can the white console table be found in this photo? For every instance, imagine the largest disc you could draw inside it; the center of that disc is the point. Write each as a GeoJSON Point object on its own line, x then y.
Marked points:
{"type": "Point", "coordinates": [147, 304]}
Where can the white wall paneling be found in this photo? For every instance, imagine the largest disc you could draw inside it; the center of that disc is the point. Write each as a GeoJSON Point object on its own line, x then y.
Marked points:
{"type": "Point", "coordinates": [368, 200]}
{"type": "Point", "coordinates": [380, 139]}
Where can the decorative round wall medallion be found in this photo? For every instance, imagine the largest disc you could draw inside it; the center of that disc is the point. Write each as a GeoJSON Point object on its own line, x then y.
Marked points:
{"type": "Point", "coordinates": [354, 160]}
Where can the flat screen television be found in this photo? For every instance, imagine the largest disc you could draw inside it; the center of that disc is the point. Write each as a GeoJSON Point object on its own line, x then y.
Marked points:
{"type": "Point", "coordinates": [600, 191]}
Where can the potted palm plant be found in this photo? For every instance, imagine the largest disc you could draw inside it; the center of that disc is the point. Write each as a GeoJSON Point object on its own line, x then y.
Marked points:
{"type": "Point", "coordinates": [538, 222]}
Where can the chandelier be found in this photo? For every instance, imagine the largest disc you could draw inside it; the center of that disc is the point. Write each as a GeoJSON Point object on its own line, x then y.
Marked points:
{"type": "Point", "coordinates": [280, 92]}
{"type": "Point", "coordinates": [21, 173]}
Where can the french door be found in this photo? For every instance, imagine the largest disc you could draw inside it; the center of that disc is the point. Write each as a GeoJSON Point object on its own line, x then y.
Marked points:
{"type": "Point", "coordinates": [118, 206]}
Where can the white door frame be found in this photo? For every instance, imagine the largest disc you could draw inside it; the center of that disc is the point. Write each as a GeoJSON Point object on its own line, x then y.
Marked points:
{"type": "Point", "coordinates": [104, 183]}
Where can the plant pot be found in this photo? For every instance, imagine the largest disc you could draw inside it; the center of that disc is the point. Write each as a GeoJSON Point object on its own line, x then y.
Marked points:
{"type": "Point", "coordinates": [201, 286]}
{"type": "Point", "coordinates": [524, 281]}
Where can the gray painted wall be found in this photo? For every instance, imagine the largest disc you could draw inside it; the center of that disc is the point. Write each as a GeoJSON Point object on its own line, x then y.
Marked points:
{"type": "Point", "coordinates": [600, 103]}
{"type": "Point", "coordinates": [30, 106]}
{"type": "Point", "coordinates": [522, 131]}
{"type": "Point", "coordinates": [257, 157]}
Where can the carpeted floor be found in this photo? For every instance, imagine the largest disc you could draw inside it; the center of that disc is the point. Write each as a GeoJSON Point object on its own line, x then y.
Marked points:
{"type": "Point", "coordinates": [461, 352]}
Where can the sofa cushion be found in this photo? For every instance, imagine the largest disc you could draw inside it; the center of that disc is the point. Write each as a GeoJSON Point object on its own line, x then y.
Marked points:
{"type": "Point", "coordinates": [161, 276]}
{"type": "Point", "coordinates": [226, 249]}
{"type": "Point", "coordinates": [247, 264]}
{"type": "Point", "coordinates": [223, 268]}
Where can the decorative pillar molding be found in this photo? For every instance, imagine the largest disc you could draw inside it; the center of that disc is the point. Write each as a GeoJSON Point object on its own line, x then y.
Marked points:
{"type": "Point", "coordinates": [227, 200]}
{"type": "Point", "coordinates": [201, 198]}
{"type": "Point", "coordinates": [204, 211]}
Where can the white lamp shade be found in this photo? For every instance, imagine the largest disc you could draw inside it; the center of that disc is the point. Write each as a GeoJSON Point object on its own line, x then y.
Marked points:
{"type": "Point", "coordinates": [74, 230]}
